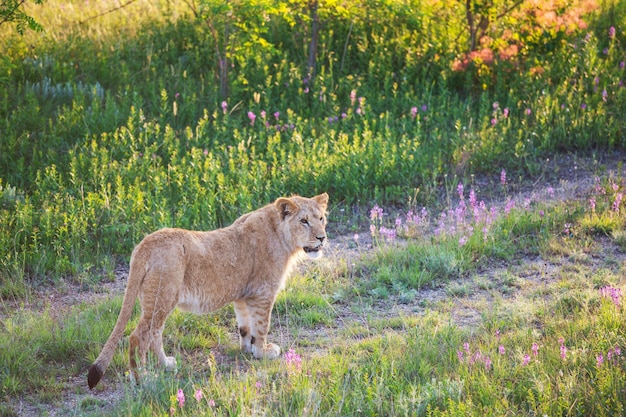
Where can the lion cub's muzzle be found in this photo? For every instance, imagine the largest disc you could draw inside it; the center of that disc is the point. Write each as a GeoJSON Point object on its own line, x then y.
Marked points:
{"type": "Point", "coordinates": [315, 249]}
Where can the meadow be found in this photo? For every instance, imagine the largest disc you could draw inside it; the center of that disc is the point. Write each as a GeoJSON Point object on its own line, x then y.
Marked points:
{"type": "Point", "coordinates": [471, 282]}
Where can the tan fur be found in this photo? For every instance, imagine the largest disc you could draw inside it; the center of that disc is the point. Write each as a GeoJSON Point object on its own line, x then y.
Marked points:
{"type": "Point", "coordinates": [246, 264]}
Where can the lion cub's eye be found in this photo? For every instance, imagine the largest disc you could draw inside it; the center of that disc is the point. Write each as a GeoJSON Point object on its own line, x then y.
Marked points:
{"type": "Point", "coordinates": [304, 221]}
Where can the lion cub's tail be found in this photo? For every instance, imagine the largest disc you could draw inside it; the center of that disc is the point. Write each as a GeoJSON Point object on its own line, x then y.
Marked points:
{"type": "Point", "coordinates": [97, 369]}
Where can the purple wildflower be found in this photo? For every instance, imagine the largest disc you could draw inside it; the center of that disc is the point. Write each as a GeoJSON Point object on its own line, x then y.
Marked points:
{"type": "Point", "coordinates": [501, 350]}
{"type": "Point", "coordinates": [293, 361]}
{"type": "Point", "coordinates": [181, 398]}
{"type": "Point", "coordinates": [535, 349]}
{"type": "Point", "coordinates": [614, 294]}
{"type": "Point", "coordinates": [413, 112]}
{"type": "Point", "coordinates": [612, 32]}
{"type": "Point", "coordinates": [526, 360]}
{"type": "Point", "coordinates": [503, 177]}
{"type": "Point", "coordinates": [277, 115]}
{"type": "Point", "coordinates": [617, 202]}
{"type": "Point", "coordinates": [528, 112]}
{"type": "Point", "coordinates": [599, 360]}
{"type": "Point", "coordinates": [505, 112]}
{"type": "Point", "coordinates": [198, 395]}
{"type": "Point", "coordinates": [252, 117]}
{"type": "Point", "coordinates": [563, 351]}
{"type": "Point", "coordinates": [224, 106]}
{"type": "Point", "coordinates": [494, 121]}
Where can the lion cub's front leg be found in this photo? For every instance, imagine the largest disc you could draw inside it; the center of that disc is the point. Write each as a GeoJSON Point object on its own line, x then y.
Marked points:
{"type": "Point", "coordinates": [253, 319]}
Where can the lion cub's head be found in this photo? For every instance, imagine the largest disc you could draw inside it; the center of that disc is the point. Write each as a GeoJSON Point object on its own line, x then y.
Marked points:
{"type": "Point", "coordinates": [304, 222]}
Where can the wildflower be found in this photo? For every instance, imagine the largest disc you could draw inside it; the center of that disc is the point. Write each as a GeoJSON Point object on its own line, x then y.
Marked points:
{"type": "Point", "coordinates": [528, 112]}
{"type": "Point", "coordinates": [466, 347]}
{"type": "Point", "coordinates": [583, 106]}
{"type": "Point", "coordinates": [487, 363]}
{"type": "Point", "coordinates": [495, 105]}
{"type": "Point", "coordinates": [617, 202]}
{"type": "Point", "coordinates": [494, 121]}
{"type": "Point", "coordinates": [526, 360]}
{"type": "Point", "coordinates": [181, 398]}
{"type": "Point", "coordinates": [388, 234]}
{"type": "Point", "coordinates": [567, 229]}
{"type": "Point", "coordinates": [424, 108]}
{"type": "Point", "coordinates": [459, 190]}
{"type": "Point", "coordinates": [622, 64]}
{"type": "Point", "coordinates": [614, 294]}
{"type": "Point", "coordinates": [356, 237]}
{"type": "Point", "coordinates": [224, 106]}
{"type": "Point", "coordinates": [599, 360]}
{"type": "Point", "coordinates": [198, 395]}
{"type": "Point", "coordinates": [263, 114]}
{"type": "Point", "coordinates": [501, 350]}
{"type": "Point", "coordinates": [277, 115]}
{"type": "Point", "coordinates": [459, 354]}
{"type": "Point", "coordinates": [563, 351]}
{"type": "Point", "coordinates": [550, 191]}
{"type": "Point", "coordinates": [306, 90]}
{"type": "Point", "coordinates": [510, 204]}
{"type": "Point", "coordinates": [252, 117]}
{"type": "Point", "coordinates": [352, 97]}
{"type": "Point", "coordinates": [505, 112]}
{"type": "Point", "coordinates": [344, 115]}
{"type": "Point", "coordinates": [604, 95]}
{"type": "Point", "coordinates": [376, 213]}
{"type": "Point", "coordinates": [373, 229]}
{"type": "Point", "coordinates": [205, 152]}
{"type": "Point", "coordinates": [503, 177]}
{"type": "Point", "coordinates": [293, 360]}
{"type": "Point", "coordinates": [612, 32]}
{"type": "Point", "coordinates": [462, 240]}
{"type": "Point", "coordinates": [211, 403]}
{"type": "Point", "coordinates": [535, 349]}
{"type": "Point", "coordinates": [605, 51]}
{"type": "Point", "coordinates": [413, 112]}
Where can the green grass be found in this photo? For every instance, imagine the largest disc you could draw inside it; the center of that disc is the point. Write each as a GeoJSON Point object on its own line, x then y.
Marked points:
{"type": "Point", "coordinates": [115, 126]}
{"type": "Point", "coordinates": [546, 339]}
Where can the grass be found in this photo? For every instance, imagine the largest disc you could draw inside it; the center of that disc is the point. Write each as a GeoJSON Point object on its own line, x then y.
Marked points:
{"type": "Point", "coordinates": [548, 338]}
{"type": "Point", "coordinates": [115, 126]}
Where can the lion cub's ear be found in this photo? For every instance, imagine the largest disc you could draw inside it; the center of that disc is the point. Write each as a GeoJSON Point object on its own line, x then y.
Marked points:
{"type": "Point", "coordinates": [322, 200]}
{"type": "Point", "coordinates": [286, 206]}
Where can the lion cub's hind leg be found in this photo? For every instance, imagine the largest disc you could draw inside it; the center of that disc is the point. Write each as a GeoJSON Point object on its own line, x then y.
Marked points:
{"type": "Point", "coordinates": [149, 332]}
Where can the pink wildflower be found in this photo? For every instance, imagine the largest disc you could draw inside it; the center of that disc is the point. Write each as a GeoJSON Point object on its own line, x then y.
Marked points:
{"type": "Point", "coordinates": [252, 117]}
{"type": "Point", "coordinates": [293, 361]}
{"type": "Point", "coordinates": [198, 395]}
{"type": "Point", "coordinates": [181, 398]}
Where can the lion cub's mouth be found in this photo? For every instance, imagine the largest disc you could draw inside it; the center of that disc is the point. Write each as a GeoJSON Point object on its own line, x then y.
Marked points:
{"type": "Point", "coordinates": [309, 249]}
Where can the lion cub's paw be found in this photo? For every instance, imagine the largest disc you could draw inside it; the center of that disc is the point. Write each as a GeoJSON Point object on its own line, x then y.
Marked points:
{"type": "Point", "coordinates": [269, 351]}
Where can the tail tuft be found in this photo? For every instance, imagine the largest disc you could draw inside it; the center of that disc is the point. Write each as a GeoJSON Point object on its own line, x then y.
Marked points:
{"type": "Point", "coordinates": [94, 376]}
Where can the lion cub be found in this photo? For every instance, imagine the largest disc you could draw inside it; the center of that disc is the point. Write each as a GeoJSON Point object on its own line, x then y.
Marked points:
{"type": "Point", "coordinates": [245, 263]}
